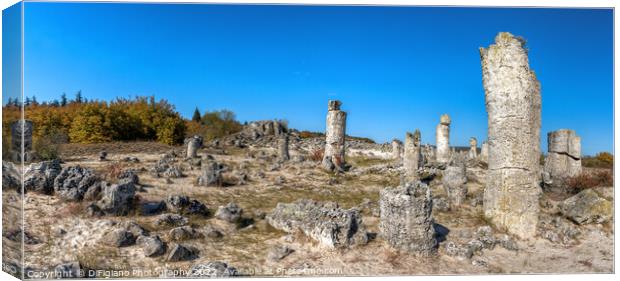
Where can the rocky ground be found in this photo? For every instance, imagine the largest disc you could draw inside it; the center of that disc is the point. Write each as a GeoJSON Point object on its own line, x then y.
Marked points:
{"type": "Point", "coordinates": [173, 226]}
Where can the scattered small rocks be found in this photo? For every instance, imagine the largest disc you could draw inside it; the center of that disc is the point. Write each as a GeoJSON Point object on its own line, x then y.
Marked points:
{"type": "Point", "coordinates": [171, 220]}
{"type": "Point", "coordinates": [183, 233]}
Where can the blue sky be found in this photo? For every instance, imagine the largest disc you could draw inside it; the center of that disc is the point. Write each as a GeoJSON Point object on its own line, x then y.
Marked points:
{"type": "Point", "coordinates": [395, 68]}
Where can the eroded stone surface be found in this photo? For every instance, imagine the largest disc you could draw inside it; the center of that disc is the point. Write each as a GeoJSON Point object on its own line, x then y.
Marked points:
{"type": "Point", "coordinates": [442, 139]}
{"type": "Point", "coordinates": [513, 104]}
{"type": "Point", "coordinates": [406, 218]}
{"type": "Point", "coordinates": [325, 222]}
{"type": "Point", "coordinates": [413, 155]}
{"type": "Point", "coordinates": [335, 129]}
{"type": "Point", "coordinates": [563, 158]}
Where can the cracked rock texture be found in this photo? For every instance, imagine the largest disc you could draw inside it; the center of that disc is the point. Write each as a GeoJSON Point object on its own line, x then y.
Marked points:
{"type": "Point", "coordinates": [325, 222]}
{"type": "Point", "coordinates": [406, 218]}
{"type": "Point", "coordinates": [513, 104]}
{"type": "Point", "coordinates": [334, 155]}
{"type": "Point", "coordinates": [563, 158]}
{"type": "Point", "coordinates": [413, 154]}
{"type": "Point", "coordinates": [442, 139]}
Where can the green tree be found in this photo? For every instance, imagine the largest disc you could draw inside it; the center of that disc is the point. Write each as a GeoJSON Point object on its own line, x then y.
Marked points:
{"type": "Point", "coordinates": [196, 117]}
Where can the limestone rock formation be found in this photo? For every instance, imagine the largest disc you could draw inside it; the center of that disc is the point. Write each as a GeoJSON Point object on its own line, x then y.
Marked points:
{"type": "Point", "coordinates": [117, 199]}
{"type": "Point", "coordinates": [73, 182]}
{"type": "Point", "coordinates": [325, 222]}
{"type": "Point", "coordinates": [484, 152]}
{"type": "Point", "coordinates": [283, 148]}
{"type": "Point", "coordinates": [413, 155]}
{"type": "Point", "coordinates": [39, 177]}
{"type": "Point", "coordinates": [454, 180]}
{"type": "Point", "coordinates": [513, 104]}
{"type": "Point", "coordinates": [335, 130]}
{"type": "Point", "coordinates": [473, 149]}
{"type": "Point", "coordinates": [211, 174]}
{"type": "Point", "coordinates": [230, 213]}
{"type": "Point", "coordinates": [563, 158]}
{"type": "Point", "coordinates": [406, 218]}
{"type": "Point", "coordinates": [442, 139]}
{"type": "Point", "coordinates": [587, 207]}
{"type": "Point", "coordinates": [397, 149]}
{"type": "Point", "coordinates": [193, 144]}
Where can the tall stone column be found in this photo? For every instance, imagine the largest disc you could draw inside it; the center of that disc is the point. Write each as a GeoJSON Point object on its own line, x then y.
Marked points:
{"type": "Point", "coordinates": [21, 134]}
{"type": "Point", "coordinates": [412, 155]}
{"type": "Point", "coordinates": [484, 152]}
{"type": "Point", "coordinates": [283, 148]}
{"type": "Point", "coordinates": [563, 156]}
{"type": "Point", "coordinates": [442, 139]}
{"type": "Point", "coordinates": [335, 129]}
{"type": "Point", "coordinates": [473, 148]}
{"type": "Point", "coordinates": [193, 144]}
{"type": "Point", "coordinates": [397, 149]}
{"type": "Point", "coordinates": [513, 105]}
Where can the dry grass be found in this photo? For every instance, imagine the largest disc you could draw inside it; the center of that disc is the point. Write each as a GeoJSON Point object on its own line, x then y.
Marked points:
{"type": "Point", "coordinates": [586, 180]}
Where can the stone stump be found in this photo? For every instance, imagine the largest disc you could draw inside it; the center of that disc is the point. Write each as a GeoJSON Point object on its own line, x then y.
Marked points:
{"type": "Point", "coordinates": [397, 149]}
{"type": "Point", "coordinates": [406, 218]}
{"type": "Point", "coordinates": [21, 133]}
{"type": "Point", "coordinates": [563, 158]}
{"type": "Point", "coordinates": [484, 152]}
{"type": "Point", "coordinates": [454, 180]}
{"type": "Point", "coordinates": [413, 155]}
{"type": "Point", "coordinates": [193, 144]}
{"type": "Point", "coordinates": [283, 148]}
{"type": "Point", "coordinates": [442, 139]}
{"type": "Point", "coordinates": [334, 156]}
{"type": "Point", "coordinates": [513, 104]}
{"type": "Point", "coordinates": [473, 149]}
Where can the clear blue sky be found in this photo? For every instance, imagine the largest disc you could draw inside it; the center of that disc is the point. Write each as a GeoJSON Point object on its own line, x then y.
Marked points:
{"type": "Point", "coordinates": [395, 68]}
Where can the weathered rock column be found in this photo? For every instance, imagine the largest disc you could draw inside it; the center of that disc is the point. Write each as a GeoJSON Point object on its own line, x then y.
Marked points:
{"type": "Point", "coordinates": [473, 148]}
{"type": "Point", "coordinates": [334, 156]}
{"type": "Point", "coordinates": [406, 218]}
{"type": "Point", "coordinates": [193, 144]}
{"type": "Point", "coordinates": [564, 156]}
{"type": "Point", "coordinates": [283, 148]}
{"type": "Point", "coordinates": [484, 152]}
{"type": "Point", "coordinates": [454, 179]}
{"type": "Point", "coordinates": [412, 155]}
{"type": "Point", "coordinates": [513, 105]}
{"type": "Point", "coordinates": [442, 139]}
{"type": "Point", "coordinates": [21, 133]}
{"type": "Point", "coordinates": [397, 149]}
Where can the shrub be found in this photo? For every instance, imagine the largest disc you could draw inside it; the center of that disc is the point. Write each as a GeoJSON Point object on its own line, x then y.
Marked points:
{"type": "Point", "coordinates": [317, 155]}
{"type": "Point", "coordinates": [586, 180]}
{"type": "Point", "coordinates": [308, 134]}
{"type": "Point", "coordinates": [48, 147]}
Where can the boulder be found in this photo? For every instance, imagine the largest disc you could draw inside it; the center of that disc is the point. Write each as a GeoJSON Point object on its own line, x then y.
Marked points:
{"type": "Point", "coordinates": [181, 252]}
{"type": "Point", "coordinates": [171, 220]}
{"type": "Point", "coordinates": [119, 238]}
{"type": "Point", "coordinates": [152, 246]}
{"type": "Point", "coordinates": [10, 177]}
{"type": "Point", "coordinates": [39, 177]}
{"type": "Point", "coordinates": [184, 205]}
{"type": "Point", "coordinates": [325, 222]}
{"type": "Point", "coordinates": [183, 233]}
{"type": "Point", "coordinates": [117, 199]}
{"type": "Point", "coordinates": [279, 252]}
{"type": "Point", "coordinates": [68, 270]}
{"type": "Point", "coordinates": [587, 207]}
{"type": "Point", "coordinates": [73, 182]}
{"type": "Point", "coordinates": [230, 213]}
{"type": "Point", "coordinates": [130, 176]}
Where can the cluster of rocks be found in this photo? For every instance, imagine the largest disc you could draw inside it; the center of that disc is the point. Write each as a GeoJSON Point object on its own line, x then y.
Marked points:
{"type": "Point", "coordinates": [167, 166]}
{"type": "Point", "coordinates": [483, 238]}
{"type": "Point", "coordinates": [324, 222]}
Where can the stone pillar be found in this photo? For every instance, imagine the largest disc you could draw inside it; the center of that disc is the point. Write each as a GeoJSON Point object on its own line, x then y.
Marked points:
{"type": "Point", "coordinates": [406, 218]}
{"type": "Point", "coordinates": [334, 156]}
{"type": "Point", "coordinates": [283, 148]}
{"type": "Point", "coordinates": [513, 105]}
{"type": "Point", "coordinates": [564, 156]}
{"type": "Point", "coordinates": [454, 179]}
{"type": "Point", "coordinates": [21, 133]}
{"type": "Point", "coordinates": [473, 148]}
{"type": "Point", "coordinates": [412, 155]}
{"type": "Point", "coordinates": [442, 139]}
{"type": "Point", "coordinates": [397, 149]}
{"type": "Point", "coordinates": [484, 152]}
{"type": "Point", "coordinates": [193, 144]}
